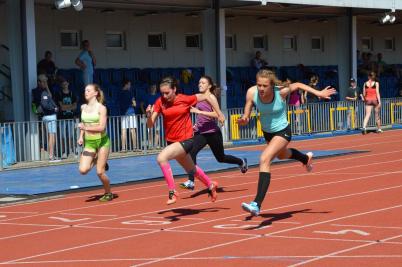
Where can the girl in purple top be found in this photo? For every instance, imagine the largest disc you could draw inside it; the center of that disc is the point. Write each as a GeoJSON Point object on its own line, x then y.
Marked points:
{"type": "Point", "coordinates": [207, 131]}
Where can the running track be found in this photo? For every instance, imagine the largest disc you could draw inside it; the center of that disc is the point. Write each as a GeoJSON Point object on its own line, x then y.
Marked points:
{"type": "Point", "coordinates": [347, 212]}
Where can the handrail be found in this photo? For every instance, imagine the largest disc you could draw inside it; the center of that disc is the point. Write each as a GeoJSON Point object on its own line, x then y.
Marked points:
{"type": "Point", "coordinates": [5, 47]}
{"type": "Point", "coordinates": [5, 66]}
{"type": "Point", "coordinates": [8, 76]}
{"type": "Point", "coordinates": [6, 95]}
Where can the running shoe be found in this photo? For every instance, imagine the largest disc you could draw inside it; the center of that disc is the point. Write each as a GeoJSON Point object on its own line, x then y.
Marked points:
{"type": "Point", "coordinates": [213, 191]}
{"type": "Point", "coordinates": [187, 185]}
{"type": "Point", "coordinates": [172, 197]}
{"type": "Point", "coordinates": [364, 131]}
{"type": "Point", "coordinates": [106, 197]}
{"type": "Point", "coordinates": [379, 131]}
{"type": "Point", "coordinates": [251, 207]}
{"type": "Point", "coordinates": [244, 166]}
{"type": "Point", "coordinates": [309, 165]}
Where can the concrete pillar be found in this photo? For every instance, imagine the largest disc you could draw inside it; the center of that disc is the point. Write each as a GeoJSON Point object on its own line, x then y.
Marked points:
{"type": "Point", "coordinates": [343, 55]}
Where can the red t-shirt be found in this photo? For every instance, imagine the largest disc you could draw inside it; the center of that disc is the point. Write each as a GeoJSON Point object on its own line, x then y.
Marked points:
{"type": "Point", "coordinates": [176, 117]}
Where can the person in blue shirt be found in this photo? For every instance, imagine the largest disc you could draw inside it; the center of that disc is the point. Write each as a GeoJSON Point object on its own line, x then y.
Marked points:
{"type": "Point", "coordinates": [153, 134]}
{"type": "Point", "coordinates": [128, 104]}
{"type": "Point", "coordinates": [86, 61]}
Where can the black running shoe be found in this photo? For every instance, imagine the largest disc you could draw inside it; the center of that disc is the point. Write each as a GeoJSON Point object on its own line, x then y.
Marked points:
{"type": "Point", "coordinates": [244, 166]}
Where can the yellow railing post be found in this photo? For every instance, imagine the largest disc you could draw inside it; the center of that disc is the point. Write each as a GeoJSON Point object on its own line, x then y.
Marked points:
{"type": "Point", "coordinates": [331, 118]}
{"type": "Point", "coordinates": [392, 114]}
{"type": "Point", "coordinates": [352, 117]}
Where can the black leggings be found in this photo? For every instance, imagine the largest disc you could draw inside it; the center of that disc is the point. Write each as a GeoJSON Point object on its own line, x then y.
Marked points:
{"type": "Point", "coordinates": [215, 142]}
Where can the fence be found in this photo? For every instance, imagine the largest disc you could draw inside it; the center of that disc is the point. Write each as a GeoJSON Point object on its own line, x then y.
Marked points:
{"type": "Point", "coordinates": [28, 141]}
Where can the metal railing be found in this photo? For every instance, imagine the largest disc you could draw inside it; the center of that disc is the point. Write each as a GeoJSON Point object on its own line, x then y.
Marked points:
{"type": "Point", "coordinates": [22, 142]}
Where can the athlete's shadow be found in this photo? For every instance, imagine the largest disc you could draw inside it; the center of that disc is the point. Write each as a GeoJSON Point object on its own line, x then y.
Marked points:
{"type": "Point", "coordinates": [273, 217]}
{"type": "Point", "coordinates": [188, 212]}
{"type": "Point", "coordinates": [220, 190]}
{"type": "Point", "coordinates": [97, 197]}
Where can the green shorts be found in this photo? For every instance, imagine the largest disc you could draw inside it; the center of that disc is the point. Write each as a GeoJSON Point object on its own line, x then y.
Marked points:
{"type": "Point", "coordinates": [94, 144]}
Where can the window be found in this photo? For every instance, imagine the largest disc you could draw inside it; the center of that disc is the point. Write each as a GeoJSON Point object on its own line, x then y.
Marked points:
{"type": "Point", "coordinates": [389, 44]}
{"type": "Point", "coordinates": [193, 40]}
{"type": "Point", "coordinates": [230, 42]}
{"type": "Point", "coordinates": [115, 40]}
{"type": "Point", "coordinates": [317, 43]}
{"type": "Point", "coordinates": [367, 44]}
{"type": "Point", "coordinates": [157, 40]}
{"type": "Point", "coordinates": [260, 42]}
{"type": "Point", "coordinates": [70, 39]}
{"type": "Point", "coordinates": [289, 43]}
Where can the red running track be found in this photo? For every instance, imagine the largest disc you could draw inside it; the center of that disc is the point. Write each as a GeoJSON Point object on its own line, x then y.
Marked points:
{"type": "Point", "coordinates": [347, 212]}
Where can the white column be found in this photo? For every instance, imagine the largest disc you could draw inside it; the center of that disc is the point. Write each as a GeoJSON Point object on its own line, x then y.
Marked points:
{"type": "Point", "coordinates": [13, 8]}
{"type": "Point", "coordinates": [353, 37]}
{"type": "Point", "coordinates": [29, 46]}
{"type": "Point", "coordinates": [214, 51]}
{"type": "Point", "coordinates": [343, 55]}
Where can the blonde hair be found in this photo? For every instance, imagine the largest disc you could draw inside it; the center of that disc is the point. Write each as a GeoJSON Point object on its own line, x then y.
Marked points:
{"type": "Point", "coordinates": [101, 96]}
{"type": "Point", "coordinates": [269, 74]}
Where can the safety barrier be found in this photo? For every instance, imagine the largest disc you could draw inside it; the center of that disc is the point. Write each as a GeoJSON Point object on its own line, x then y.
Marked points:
{"type": "Point", "coordinates": [28, 141]}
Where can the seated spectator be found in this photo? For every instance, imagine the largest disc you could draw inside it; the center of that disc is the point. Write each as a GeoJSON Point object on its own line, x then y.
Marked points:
{"type": "Point", "coordinates": [46, 66]}
{"type": "Point", "coordinates": [128, 104]}
{"type": "Point", "coordinates": [68, 105]}
{"type": "Point", "coordinates": [49, 109]}
{"type": "Point", "coordinates": [367, 65]}
{"type": "Point", "coordinates": [258, 62]}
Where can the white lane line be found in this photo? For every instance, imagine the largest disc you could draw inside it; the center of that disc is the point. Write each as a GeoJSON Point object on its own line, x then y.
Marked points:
{"type": "Point", "coordinates": [345, 250]}
{"type": "Point", "coordinates": [162, 184]}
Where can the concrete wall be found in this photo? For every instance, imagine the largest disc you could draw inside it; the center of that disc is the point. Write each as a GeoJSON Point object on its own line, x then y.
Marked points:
{"type": "Point", "coordinates": [94, 24]}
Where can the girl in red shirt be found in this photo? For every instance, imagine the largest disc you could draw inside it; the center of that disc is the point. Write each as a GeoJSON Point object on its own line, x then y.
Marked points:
{"type": "Point", "coordinates": [371, 94]}
{"type": "Point", "coordinates": [175, 109]}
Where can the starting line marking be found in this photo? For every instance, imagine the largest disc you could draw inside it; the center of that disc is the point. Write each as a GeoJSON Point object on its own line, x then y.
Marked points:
{"type": "Point", "coordinates": [343, 232]}
{"type": "Point", "coordinates": [69, 220]}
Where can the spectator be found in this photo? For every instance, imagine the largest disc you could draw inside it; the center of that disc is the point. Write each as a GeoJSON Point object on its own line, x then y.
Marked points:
{"type": "Point", "coordinates": [49, 109]}
{"type": "Point", "coordinates": [129, 120]}
{"type": "Point", "coordinates": [86, 61]}
{"type": "Point", "coordinates": [295, 99]}
{"type": "Point", "coordinates": [310, 98]}
{"type": "Point", "coordinates": [153, 133]}
{"type": "Point", "coordinates": [68, 105]}
{"type": "Point", "coordinates": [353, 95]}
{"type": "Point", "coordinates": [46, 66]}
{"type": "Point", "coordinates": [258, 62]}
{"type": "Point", "coordinates": [372, 99]}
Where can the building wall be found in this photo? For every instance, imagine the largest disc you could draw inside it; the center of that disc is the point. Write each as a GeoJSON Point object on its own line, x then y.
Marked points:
{"type": "Point", "coordinates": [93, 25]}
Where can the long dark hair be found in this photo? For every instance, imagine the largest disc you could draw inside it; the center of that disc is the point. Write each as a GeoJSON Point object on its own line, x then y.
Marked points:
{"type": "Point", "coordinates": [215, 90]}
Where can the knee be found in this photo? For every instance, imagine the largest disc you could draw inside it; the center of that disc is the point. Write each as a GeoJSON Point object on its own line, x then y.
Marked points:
{"type": "Point", "coordinates": [100, 173]}
{"type": "Point", "coordinates": [83, 170]}
{"type": "Point", "coordinates": [161, 159]}
{"type": "Point", "coordinates": [265, 160]}
{"type": "Point", "coordinates": [220, 158]}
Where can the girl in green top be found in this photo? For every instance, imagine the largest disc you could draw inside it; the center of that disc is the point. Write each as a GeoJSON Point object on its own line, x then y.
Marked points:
{"type": "Point", "coordinates": [93, 136]}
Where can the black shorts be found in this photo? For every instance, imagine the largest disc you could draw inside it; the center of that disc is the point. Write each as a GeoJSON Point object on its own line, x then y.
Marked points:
{"type": "Point", "coordinates": [285, 133]}
{"type": "Point", "coordinates": [186, 144]}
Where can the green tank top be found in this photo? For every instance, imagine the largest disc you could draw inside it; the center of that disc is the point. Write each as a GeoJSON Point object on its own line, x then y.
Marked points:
{"type": "Point", "coordinates": [273, 116]}
{"type": "Point", "coordinates": [91, 118]}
